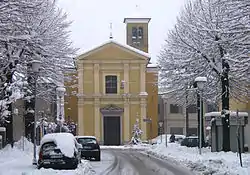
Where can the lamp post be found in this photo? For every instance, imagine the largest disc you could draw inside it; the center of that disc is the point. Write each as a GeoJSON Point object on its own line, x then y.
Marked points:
{"type": "Point", "coordinates": [161, 129]}
{"type": "Point", "coordinates": [35, 69]}
{"type": "Point", "coordinates": [200, 84]}
{"type": "Point", "coordinates": [60, 93]}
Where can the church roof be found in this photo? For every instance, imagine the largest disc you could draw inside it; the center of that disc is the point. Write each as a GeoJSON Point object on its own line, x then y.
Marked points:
{"type": "Point", "coordinates": [121, 45]}
{"type": "Point", "coordinates": [137, 16]}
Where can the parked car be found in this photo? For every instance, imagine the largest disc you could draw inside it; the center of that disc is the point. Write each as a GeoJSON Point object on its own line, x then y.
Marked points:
{"type": "Point", "coordinates": [90, 147]}
{"type": "Point", "coordinates": [192, 141]}
{"type": "Point", "coordinates": [59, 150]}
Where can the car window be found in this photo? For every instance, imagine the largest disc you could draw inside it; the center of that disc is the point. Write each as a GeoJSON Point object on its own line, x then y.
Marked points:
{"type": "Point", "coordinates": [86, 140]}
{"type": "Point", "coordinates": [48, 146]}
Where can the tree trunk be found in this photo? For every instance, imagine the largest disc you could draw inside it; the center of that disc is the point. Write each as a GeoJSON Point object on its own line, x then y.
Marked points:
{"type": "Point", "coordinates": [9, 126]}
{"type": "Point", "coordinates": [225, 100]}
{"type": "Point", "coordinates": [29, 124]}
{"type": "Point", "coordinates": [225, 107]}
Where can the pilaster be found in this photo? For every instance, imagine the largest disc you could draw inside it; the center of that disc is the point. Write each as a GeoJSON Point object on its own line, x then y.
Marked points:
{"type": "Point", "coordinates": [80, 102]}
{"type": "Point", "coordinates": [96, 79]}
{"type": "Point", "coordinates": [143, 115]}
{"type": "Point", "coordinates": [80, 78]}
{"type": "Point", "coordinates": [126, 78]}
{"type": "Point", "coordinates": [142, 78]}
{"type": "Point", "coordinates": [126, 121]}
{"type": "Point", "coordinates": [80, 126]}
{"type": "Point", "coordinates": [97, 119]}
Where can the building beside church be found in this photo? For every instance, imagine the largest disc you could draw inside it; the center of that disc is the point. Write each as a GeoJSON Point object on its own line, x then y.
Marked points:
{"type": "Point", "coordinates": [117, 85]}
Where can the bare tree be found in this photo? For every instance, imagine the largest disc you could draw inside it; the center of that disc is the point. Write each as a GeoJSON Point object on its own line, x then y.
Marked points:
{"type": "Point", "coordinates": [30, 30]}
{"type": "Point", "coordinates": [33, 30]}
{"type": "Point", "coordinates": [210, 38]}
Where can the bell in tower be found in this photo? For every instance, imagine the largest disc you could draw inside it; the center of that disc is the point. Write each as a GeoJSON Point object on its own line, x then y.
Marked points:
{"type": "Point", "coordinates": [137, 31]}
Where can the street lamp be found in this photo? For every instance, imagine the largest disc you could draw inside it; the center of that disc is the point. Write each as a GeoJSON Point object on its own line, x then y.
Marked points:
{"type": "Point", "coordinates": [60, 93]}
{"type": "Point", "coordinates": [36, 64]}
{"type": "Point", "coordinates": [160, 128]}
{"type": "Point", "coordinates": [200, 81]}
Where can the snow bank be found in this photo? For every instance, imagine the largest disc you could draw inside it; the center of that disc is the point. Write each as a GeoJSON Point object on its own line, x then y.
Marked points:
{"type": "Point", "coordinates": [158, 140]}
{"type": "Point", "coordinates": [123, 147]}
{"type": "Point", "coordinates": [216, 163]}
{"type": "Point", "coordinates": [14, 161]}
{"type": "Point", "coordinates": [64, 141]}
{"type": "Point", "coordinates": [24, 144]}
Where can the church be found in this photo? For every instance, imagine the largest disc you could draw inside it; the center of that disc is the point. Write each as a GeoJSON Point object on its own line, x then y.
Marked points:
{"type": "Point", "coordinates": [117, 86]}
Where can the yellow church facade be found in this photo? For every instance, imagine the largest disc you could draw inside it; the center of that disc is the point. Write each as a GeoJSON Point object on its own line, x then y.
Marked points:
{"type": "Point", "coordinates": [116, 86]}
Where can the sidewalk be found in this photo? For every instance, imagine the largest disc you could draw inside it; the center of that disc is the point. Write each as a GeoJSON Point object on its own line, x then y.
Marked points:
{"type": "Point", "coordinates": [216, 163]}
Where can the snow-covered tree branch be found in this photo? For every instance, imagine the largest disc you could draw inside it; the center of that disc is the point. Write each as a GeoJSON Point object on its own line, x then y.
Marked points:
{"type": "Point", "coordinates": [33, 30]}
{"type": "Point", "coordinates": [211, 38]}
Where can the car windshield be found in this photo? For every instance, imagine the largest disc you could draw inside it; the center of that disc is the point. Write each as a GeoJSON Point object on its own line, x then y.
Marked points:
{"type": "Point", "coordinates": [47, 147]}
{"type": "Point", "coordinates": [85, 141]}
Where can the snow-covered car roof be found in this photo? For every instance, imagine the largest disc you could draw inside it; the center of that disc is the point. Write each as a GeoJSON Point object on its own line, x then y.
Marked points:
{"type": "Point", "coordinates": [192, 137]}
{"type": "Point", "coordinates": [64, 141]}
{"type": "Point", "coordinates": [82, 137]}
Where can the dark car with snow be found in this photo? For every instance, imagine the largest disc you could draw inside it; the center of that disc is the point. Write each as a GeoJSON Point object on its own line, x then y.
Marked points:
{"type": "Point", "coordinates": [59, 150]}
{"type": "Point", "coordinates": [192, 141]}
{"type": "Point", "coordinates": [90, 147]}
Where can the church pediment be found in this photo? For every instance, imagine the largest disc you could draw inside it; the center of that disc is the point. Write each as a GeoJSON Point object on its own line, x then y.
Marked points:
{"type": "Point", "coordinates": [114, 50]}
{"type": "Point", "coordinates": [112, 109]}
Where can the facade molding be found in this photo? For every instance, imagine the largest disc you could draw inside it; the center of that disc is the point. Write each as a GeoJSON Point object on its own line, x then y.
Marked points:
{"type": "Point", "coordinates": [111, 109]}
{"type": "Point", "coordinates": [115, 61]}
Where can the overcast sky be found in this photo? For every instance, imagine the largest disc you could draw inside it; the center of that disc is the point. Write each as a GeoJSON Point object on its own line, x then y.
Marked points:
{"type": "Point", "coordinates": [92, 18]}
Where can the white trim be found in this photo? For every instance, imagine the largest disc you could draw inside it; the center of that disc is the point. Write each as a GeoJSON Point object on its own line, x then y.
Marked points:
{"type": "Point", "coordinates": [136, 20]}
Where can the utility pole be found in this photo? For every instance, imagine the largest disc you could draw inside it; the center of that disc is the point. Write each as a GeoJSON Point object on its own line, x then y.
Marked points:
{"type": "Point", "coordinates": [187, 116]}
{"type": "Point", "coordinates": [200, 119]}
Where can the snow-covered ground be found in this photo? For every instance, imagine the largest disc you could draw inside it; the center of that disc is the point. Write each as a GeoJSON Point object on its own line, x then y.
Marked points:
{"type": "Point", "coordinates": [123, 147]}
{"type": "Point", "coordinates": [216, 163]}
{"type": "Point", "coordinates": [15, 161]}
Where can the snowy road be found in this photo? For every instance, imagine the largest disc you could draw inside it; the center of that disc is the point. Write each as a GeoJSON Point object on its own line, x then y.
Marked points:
{"type": "Point", "coordinates": [132, 162]}
{"type": "Point", "coordinates": [113, 162]}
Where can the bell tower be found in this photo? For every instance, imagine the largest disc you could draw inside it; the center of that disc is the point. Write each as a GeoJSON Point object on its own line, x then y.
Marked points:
{"type": "Point", "coordinates": [137, 31]}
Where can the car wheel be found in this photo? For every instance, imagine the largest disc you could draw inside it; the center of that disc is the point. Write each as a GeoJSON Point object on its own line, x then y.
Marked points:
{"type": "Point", "coordinates": [39, 166]}
{"type": "Point", "coordinates": [98, 158]}
{"type": "Point", "coordinates": [74, 165]}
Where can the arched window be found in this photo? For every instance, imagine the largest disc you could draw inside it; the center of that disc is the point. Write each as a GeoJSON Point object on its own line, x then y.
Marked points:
{"type": "Point", "coordinates": [134, 33]}
{"type": "Point", "coordinates": [140, 32]}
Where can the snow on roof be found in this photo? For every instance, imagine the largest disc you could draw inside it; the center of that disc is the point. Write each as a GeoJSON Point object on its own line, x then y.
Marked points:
{"type": "Point", "coordinates": [151, 65]}
{"type": "Point", "coordinates": [203, 79]}
{"type": "Point", "coordinates": [2, 129]}
{"type": "Point", "coordinates": [121, 45]}
{"type": "Point", "coordinates": [232, 113]}
{"type": "Point", "coordinates": [137, 16]}
{"type": "Point", "coordinates": [143, 93]}
{"type": "Point", "coordinates": [192, 137]}
{"type": "Point", "coordinates": [64, 141]}
{"type": "Point", "coordinates": [81, 137]}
